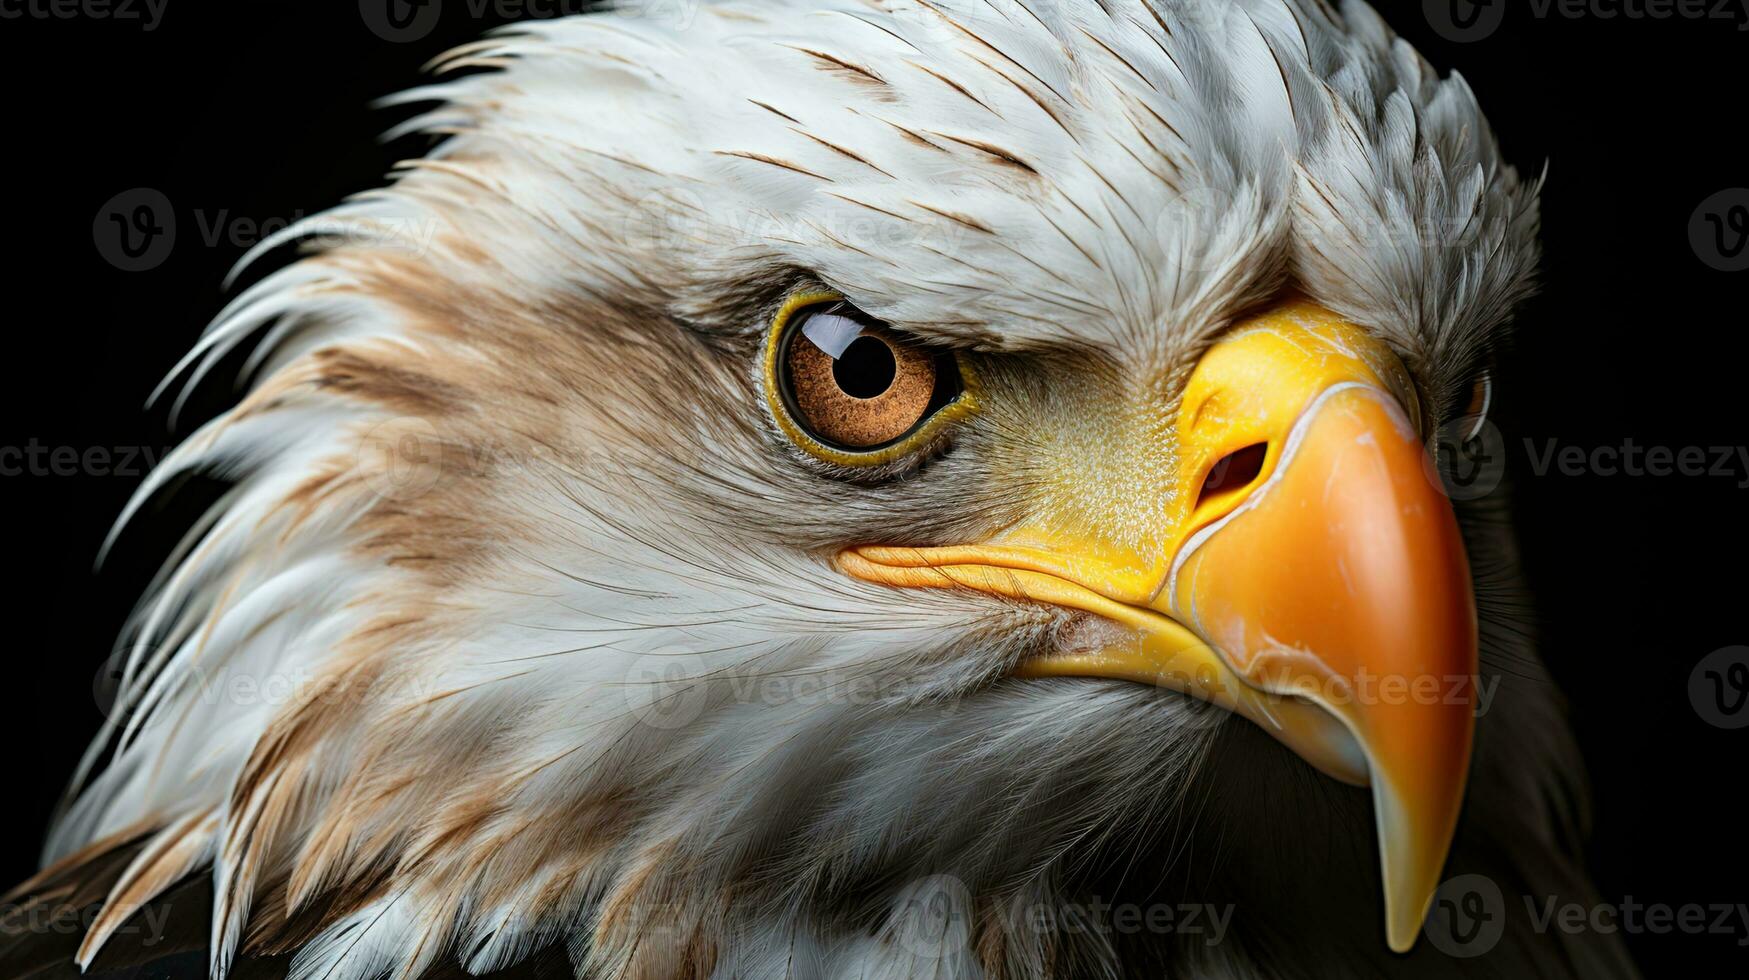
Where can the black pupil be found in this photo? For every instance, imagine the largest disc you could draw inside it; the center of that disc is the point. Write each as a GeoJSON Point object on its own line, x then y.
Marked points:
{"type": "Point", "coordinates": [866, 369]}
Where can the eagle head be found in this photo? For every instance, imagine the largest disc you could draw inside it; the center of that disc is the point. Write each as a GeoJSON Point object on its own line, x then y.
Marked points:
{"type": "Point", "coordinates": [805, 489]}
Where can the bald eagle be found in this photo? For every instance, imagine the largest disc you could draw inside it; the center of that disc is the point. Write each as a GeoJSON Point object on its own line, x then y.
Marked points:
{"type": "Point", "coordinates": [859, 488]}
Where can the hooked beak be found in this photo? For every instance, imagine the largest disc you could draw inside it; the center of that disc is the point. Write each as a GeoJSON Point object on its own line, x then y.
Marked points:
{"type": "Point", "coordinates": [1308, 576]}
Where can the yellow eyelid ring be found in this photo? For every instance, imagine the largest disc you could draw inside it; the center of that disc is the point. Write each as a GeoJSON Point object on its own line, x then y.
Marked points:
{"type": "Point", "coordinates": [963, 404]}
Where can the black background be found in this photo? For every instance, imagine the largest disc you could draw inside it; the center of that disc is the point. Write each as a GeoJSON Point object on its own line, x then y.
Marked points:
{"type": "Point", "coordinates": [259, 112]}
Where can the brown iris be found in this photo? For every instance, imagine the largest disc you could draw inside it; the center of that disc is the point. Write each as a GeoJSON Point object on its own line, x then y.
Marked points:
{"type": "Point", "coordinates": [874, 392]}
{"type": "Point", "coordinates": [853, 391]}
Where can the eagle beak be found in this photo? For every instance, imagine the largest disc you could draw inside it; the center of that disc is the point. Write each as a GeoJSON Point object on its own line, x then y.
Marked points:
{"type": "Point", "coordinates": [1309, 576]}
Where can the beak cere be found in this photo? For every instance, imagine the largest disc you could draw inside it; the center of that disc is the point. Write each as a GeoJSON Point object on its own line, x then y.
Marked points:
{"type": "Point", "coordinates": [1310, 576]}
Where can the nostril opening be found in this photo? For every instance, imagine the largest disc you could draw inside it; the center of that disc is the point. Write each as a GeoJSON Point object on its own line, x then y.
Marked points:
{"type": "Point", "coordinates": [1235, 470]}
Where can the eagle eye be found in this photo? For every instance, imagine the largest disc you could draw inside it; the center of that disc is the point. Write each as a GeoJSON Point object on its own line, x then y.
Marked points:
{"type": "Point", "coordinates": [1478, 402]}
{"type": "Point", "coordinates": [852, 390]}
